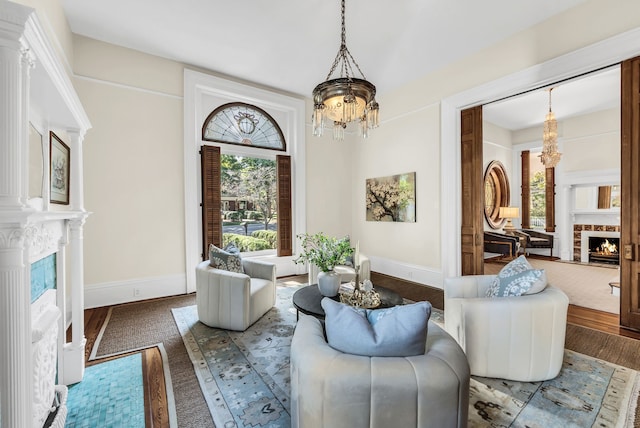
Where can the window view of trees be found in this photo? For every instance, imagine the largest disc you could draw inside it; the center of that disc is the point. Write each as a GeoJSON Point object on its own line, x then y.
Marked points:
{"type": "Point", "coordinates": [538, 206]}
{"type": "Point", "coordinates": [249, 198]}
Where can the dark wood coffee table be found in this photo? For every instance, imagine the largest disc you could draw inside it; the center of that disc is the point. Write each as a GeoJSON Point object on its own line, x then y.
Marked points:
{"type": "Point", "coordinates": [307, 300]}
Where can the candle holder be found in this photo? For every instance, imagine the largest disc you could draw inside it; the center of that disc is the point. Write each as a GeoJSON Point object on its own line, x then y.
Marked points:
{"type": "Point", "coordinates": [363, 294]}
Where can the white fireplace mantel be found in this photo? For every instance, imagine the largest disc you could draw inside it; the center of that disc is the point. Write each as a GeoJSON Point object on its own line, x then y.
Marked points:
{"type": "Point", "coordinates": [31, 231]}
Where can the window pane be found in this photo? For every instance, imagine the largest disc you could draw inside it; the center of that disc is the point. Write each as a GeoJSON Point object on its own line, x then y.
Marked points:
{"type": "Point", "coordinates": [537, 181]}
{"type": "Point", "coordinates": [249, 202]}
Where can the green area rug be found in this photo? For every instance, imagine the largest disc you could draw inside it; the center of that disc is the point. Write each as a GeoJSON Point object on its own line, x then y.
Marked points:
{"type": "Point", "coordinates": [245, 379]}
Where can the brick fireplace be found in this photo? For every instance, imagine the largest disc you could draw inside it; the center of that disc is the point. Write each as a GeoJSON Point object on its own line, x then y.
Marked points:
{"type": "Point", "coordinates": [583, 232]}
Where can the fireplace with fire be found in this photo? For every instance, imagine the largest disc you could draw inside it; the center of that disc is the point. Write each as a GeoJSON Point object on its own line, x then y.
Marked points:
{"type": "Point", "coordinates": [604, 250]}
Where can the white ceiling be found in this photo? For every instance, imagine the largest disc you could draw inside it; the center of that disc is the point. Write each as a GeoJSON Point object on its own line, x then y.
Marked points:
{"type": "Point", "coordinates": [588, 94]}
{"type": "Point", "coordinates": [290, 44]}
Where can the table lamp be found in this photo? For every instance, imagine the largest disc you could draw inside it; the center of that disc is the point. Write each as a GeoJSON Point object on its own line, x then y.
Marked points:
{"type": "Point", "coordinates": [509, 213]}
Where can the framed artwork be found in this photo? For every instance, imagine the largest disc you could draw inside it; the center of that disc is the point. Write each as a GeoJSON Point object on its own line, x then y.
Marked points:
{"type": "Point", "coordinates": [392, 198]}
{"type": "Point", "coordinates": [59, 163]}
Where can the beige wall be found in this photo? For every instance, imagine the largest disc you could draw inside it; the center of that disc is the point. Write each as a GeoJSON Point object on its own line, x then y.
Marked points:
{"type": "Point", "coordinates": [409, 136]}
{"type": "Point", "coordinates": [133, 155]}
{"type": "Point", "coordinates": [592, 142]}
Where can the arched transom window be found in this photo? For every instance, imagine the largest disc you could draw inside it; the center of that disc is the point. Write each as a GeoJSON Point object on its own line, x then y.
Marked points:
{"type": "Point", "coordinates": [245, 125]}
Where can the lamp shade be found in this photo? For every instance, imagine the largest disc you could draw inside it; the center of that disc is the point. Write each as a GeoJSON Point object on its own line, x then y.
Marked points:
{"type": "Point", "coordinates": [509, 212]}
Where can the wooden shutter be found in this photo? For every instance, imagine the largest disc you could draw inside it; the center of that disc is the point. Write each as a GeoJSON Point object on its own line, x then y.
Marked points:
{"type": "Point", "coordinates": [550, 199]}
{"type": "Point", "coordinates": [604, 197]}
{"type": "Point", "coordinates": [472, 191]}
{"type": "Point", "coordinates": [525, 161]}
{"type": "Point", "coordinates": [630, 189]}
{"type": "Point", "coordinates": [285, 225]}
{"type": "Point", "coordinates": [211, 198]}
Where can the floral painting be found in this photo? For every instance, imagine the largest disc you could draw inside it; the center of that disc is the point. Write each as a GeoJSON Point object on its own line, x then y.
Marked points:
{"type": "Point", "coordinates": [392, 198]}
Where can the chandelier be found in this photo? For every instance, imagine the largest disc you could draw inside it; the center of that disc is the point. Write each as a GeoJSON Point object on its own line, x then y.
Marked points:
{"type": "Point", "coordinates": [550, 155]}
{"type": "Point", "coordinates": [346, 98]}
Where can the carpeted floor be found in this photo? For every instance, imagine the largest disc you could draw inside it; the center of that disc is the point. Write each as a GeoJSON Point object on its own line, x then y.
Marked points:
{"type": "Point", "coordinates": [586, 286]}
{"type": "Point", "coordinates": [146, 323]}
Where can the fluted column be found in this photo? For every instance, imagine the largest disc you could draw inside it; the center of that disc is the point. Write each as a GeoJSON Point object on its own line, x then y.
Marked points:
{"type": "Point", "coordinates": [77, 189]}
{"type": "Point", "coordinates": [74, 351]}
{"type": "Point", "coordinates": [16, 383]}
{"type": "Point", "coordinates": [16, 388]}
{"type": "Point", "coordinates": [13, 123]}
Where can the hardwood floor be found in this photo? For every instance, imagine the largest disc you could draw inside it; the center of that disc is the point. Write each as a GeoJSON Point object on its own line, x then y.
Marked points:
{"type": "Point", "coordinates": [155, 391]}
{"type": "Point", "coordinates": [156, 408]}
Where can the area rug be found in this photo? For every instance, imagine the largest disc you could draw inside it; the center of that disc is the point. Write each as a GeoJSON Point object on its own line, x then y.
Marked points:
{"type": "Point", "coordinates": [245, 379]}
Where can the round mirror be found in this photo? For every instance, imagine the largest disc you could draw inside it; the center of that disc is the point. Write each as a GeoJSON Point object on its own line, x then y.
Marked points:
{"type": "Point", "coordinates": [496, 193]}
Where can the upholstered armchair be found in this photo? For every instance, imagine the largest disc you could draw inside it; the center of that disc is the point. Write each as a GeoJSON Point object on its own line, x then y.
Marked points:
{"type": "Point", "coordinates": [232, 300]}
{"type": "Point", "coordinates": [519, 338]}
{"type": "Point", "coordinates": [499, 243]}
{"type": "Point", "coordinates": [536, 239]}
{"type": "Point", "coordinates": [334, 389]}
{"type": "Point", "coordinates": [347, 273]}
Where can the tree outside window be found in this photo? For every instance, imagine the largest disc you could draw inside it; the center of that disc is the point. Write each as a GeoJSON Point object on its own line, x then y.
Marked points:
{"type": "Point", "coordinates": [250, 186]}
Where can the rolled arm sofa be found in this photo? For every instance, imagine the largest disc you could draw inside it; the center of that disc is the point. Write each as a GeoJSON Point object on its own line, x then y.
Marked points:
{"type": "Point", "coordinates": [338, 390]}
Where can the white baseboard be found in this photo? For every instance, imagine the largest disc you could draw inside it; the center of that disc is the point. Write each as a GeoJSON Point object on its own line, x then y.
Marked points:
{"type": "Point", "coordinates": [116, 292]}
{"type": "Point", "coordinates": [410, 272]}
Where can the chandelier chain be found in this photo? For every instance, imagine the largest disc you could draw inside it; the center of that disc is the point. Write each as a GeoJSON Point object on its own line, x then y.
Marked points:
{"type": "Point", "coordinates": [344, 56]}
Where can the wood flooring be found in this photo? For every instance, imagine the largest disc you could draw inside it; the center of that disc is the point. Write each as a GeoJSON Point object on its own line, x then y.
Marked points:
{"type": "Point", "coordinates": [156, 408]}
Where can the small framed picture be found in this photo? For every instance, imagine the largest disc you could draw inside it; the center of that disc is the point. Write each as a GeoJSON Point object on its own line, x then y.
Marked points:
{"type": "Point", "coordinates": [59, 156]}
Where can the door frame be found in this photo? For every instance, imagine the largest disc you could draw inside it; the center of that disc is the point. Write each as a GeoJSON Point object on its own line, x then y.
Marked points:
{"type": "Point", "coordinates": [593, 57]}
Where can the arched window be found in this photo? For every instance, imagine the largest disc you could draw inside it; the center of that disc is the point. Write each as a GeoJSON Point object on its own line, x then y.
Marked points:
{"type": "Point", "coordinates": [244, 125]}
{"type": "Point", "coordinates": [256, 191]}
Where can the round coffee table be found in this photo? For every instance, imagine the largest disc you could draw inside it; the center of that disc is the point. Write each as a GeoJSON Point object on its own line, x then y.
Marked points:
{"type": "Point", "coordinates": [307, 300]}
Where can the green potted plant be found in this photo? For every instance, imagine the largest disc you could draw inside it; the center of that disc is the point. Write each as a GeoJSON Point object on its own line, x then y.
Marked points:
{"type": "Point", "coordinates": [326, 252]}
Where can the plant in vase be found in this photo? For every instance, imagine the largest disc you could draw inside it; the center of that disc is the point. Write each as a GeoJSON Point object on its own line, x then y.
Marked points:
{"type": "Point", "coordinates": [326, 252]}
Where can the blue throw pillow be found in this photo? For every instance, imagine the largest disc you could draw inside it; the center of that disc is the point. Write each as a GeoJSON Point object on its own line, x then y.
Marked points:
{"type": "Point", "coordinates": [516, 279]}
{"type": "Point", "coordinates": [400, 331]}
{"type": "Point", "coordinates": [224, 260]}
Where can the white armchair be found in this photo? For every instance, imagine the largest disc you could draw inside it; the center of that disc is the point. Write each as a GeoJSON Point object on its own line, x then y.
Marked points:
{"type": "Point", "coordinates": [347, 273]}
{"type": "Point", "coordinates": [231, 300]}
{"type": "Point", "coordinates": [519, 338]}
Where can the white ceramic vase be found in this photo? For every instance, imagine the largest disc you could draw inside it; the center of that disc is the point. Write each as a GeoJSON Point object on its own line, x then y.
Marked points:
{"type": "Point", "coordinates": [329, 283]}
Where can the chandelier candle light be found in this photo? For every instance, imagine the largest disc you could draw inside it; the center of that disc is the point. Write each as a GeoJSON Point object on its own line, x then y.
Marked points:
{"type": "Point", "coordinates": [346, 98]}
{"type": "Point", "coordinates": [550, 155]}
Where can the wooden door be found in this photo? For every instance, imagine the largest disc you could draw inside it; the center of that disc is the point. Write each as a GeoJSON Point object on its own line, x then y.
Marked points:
{"type": "Point", "coordinates": [472, 192]}
{"type": "Point", "coordinates": [630, 195]}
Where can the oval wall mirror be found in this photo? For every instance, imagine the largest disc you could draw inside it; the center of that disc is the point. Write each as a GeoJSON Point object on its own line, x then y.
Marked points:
{"type": "Point", "coordinates": [496, 193]}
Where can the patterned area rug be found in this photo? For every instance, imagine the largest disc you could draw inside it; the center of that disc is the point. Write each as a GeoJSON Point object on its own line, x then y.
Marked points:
{"type": "Point", "coordinates": [244, 376]}
{"type": "Point", "coordinates": [245, 379]}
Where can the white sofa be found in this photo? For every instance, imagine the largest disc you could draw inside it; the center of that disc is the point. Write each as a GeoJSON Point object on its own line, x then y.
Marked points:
{"type": "Point", "coordinates": [519, 338]}
{"type": "Point", "coordinates": [347, 273]}
{"type": "Point", "coordinates": [231, 300]}
{"type": "Point", "coordinates": [333, 389]}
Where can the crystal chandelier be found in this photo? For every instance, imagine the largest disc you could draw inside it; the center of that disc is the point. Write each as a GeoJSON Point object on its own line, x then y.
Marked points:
{"type": "Point", "coordinates": [550, 155]}
{"type": "Point", "coordinates": [346, 98]}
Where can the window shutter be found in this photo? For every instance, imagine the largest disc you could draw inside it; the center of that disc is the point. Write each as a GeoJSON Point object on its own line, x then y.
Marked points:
{"type": "Point", "coordinates": [211, 198]}
{"type": "Point", "coordinates": [285, 227]}
{"type": "Point", "coordinates": [604, 197]}
{"type": "Point", "coordinates": [550, 199]}
{"type": "Point", "coordinates": [526, 189]}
